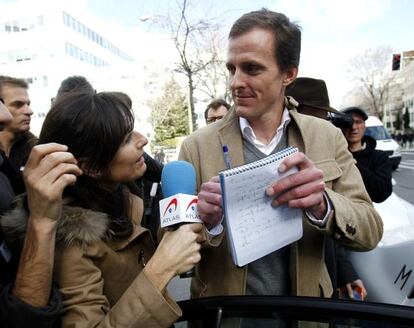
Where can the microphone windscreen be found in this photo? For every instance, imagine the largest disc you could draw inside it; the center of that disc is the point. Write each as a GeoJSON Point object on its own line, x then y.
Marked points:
{"type": "Point", "coordinates": [178, 177]}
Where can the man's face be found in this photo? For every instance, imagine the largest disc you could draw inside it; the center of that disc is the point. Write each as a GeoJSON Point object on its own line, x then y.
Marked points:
{"type": "Point", "coordinates": [5, 116]}
{"type": "Point", "coordinates": [355, 134]}
{"type": "Point", "coordinates": [216, 114]}
{"type": "Point", "coordinates": [17, 101]}
{"type": "Point", "coordinates": [256, 82]}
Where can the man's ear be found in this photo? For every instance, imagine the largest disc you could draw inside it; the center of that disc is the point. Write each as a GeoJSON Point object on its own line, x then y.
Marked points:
{"type": "Point", "coordinates": [290, 75]}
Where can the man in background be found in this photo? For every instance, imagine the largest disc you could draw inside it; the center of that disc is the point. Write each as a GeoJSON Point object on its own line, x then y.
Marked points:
{"type": "Point", "coordinates": [16, 141]}
{"type": "Point", "coordinates": [373, 164]}
{"type": "Point", "coordinates": [75, 83]}
{"type": "Point", "coordinates": [216, 110]}
{"type": "Point", "coordinates": [311, 98]}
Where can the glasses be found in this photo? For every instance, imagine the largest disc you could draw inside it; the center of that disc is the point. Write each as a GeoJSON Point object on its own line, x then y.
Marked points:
{"type": "Point", "coordinates": [213, 119]}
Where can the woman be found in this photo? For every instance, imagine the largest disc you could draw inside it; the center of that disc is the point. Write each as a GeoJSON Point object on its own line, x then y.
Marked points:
{"type": "Point", "coordinates": [106, 267]}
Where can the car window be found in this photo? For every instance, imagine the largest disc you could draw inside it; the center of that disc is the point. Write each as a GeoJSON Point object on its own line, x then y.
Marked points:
{"type": "Point", "coordinates": [377, 132]}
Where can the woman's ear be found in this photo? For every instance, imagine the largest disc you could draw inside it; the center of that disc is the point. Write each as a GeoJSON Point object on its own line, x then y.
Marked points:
{"type": "Point", "coordinates": [83, 164]}
{"type": "Point", "coordinates": [94, 174]}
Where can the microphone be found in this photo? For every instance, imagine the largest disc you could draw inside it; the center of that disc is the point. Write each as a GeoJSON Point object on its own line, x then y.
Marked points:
{"type": "Point", "coordinates": [179, 206]}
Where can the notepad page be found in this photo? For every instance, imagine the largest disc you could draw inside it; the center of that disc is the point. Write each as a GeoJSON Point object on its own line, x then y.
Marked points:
{"type": "Point", "coordinates": [255, 228]}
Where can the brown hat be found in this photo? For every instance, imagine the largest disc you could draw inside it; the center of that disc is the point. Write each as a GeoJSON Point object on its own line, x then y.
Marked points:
{"type": "Point", "coordinates": [311, 93]}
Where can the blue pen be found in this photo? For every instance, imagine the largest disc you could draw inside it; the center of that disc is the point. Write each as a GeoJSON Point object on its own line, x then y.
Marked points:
{"type": "Point", "coordinates": [226, 156]}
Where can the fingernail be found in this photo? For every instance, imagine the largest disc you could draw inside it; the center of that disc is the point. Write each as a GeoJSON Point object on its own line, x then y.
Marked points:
{"type": "Point", "coordinates": [269, 191]}
{"type": "Point", "coordinates": [282, 168]}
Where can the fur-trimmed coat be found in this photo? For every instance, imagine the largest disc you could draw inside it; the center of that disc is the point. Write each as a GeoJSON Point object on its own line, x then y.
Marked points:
{"type": "Point", "coordinates": [100, 278]}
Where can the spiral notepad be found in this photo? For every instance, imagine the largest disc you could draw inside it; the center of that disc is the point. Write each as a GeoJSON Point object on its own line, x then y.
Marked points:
{"type": "Point", "coordinates": [254, 227]}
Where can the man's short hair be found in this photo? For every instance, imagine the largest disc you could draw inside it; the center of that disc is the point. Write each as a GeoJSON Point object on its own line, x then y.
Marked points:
{"type": "Point", "coordinates": [75, 83]}
{"type": "Point", "coordinates": [8, 80]}
{"type": "Point", "coordinates": [216, 103]}
{"type": "Point", "coordinates": [287, 34]}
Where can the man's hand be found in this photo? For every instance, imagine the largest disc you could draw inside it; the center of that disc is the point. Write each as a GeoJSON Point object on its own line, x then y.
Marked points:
{"type": "Point", "coordinates": [303, 189]}
{"type": "Point", "coordinates": [209, 202]}
{"type": "Point", "coordinates": [49, 169]}
{"type": "Point", "coordinates": [357, 283]}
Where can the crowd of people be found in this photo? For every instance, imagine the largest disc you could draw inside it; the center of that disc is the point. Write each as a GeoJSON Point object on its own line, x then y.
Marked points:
{"type": "Point", "coordinates": [79, 238]}
{"type": "Point", "coordinates": [405, 139]}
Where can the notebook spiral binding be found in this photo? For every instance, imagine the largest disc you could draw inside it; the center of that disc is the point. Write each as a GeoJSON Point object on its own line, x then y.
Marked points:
{"type": "Point", "coordinates": [269, 159]}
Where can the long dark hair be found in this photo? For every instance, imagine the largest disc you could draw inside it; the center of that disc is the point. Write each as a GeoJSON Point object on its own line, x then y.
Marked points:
{"type": "Point", "coordinates": [93, 126]}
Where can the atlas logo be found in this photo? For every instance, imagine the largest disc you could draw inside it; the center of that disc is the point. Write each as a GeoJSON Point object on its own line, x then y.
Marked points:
{"type": "Point", "coordinates": [192, 204]}
{"type": "Point", "coordinates": [169, 208]}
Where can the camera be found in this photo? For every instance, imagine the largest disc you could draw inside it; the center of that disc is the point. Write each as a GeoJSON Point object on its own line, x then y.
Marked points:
{"type": "Point", "coordinates": [341, 121]}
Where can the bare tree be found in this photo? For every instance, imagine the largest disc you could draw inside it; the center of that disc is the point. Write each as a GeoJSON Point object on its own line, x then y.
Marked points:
{"type": "Point", "coordinates": [372, 72]}
{"type": "Point", "coordinates": [214, 80]}
{"type": "Point", "coordinates": [192, 40]}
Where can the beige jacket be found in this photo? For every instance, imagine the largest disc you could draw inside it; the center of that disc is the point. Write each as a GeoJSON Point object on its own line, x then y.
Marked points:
{"type": "Point", "coordinates": [101, 280]}
{"type": "Point", "coordinates": [354, 223]}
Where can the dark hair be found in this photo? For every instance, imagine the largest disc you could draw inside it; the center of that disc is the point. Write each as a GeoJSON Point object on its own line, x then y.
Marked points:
{"type": "Point", "coordinates": [93, 126]}
{"type": "Point", "coordinates": [287, 34]}
{"type": "Point", "coordinates": [123, 97]}
{"type": "Point", "coordinates": [216, 103]}
{"type": "Point", "coordinates": [8, 80]}
{"type": "Point", "coordinates": [75, 83]}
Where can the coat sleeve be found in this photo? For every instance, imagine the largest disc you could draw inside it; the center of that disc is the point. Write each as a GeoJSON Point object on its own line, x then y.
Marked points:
{"type": "Point", "coordinates": [15, 313]}
{"type": "Point", "coordinates": [355, 224]}
{"type": "Point", "coordinates": [346, 271]}
{"type": "Point", "coordinates": [377, 178]}
{"type": "Point", "coordinates": [85, 304]}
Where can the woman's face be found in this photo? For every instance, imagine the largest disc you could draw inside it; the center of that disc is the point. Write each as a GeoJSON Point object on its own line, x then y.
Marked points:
{"type": "Point", "coordinates": [128, 163]}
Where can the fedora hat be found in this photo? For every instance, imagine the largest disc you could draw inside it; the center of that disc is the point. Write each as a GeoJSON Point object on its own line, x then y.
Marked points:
{"type": "Point", "coordinates": [311, 93]}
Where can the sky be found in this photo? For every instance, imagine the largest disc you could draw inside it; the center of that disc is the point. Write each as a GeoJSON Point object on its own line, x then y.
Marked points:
{"type": "Point", "coordinates": [333, 31]}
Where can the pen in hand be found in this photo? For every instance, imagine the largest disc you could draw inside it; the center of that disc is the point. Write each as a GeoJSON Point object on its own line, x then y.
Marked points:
{"type": "Point", "coordinates": [226, 156]}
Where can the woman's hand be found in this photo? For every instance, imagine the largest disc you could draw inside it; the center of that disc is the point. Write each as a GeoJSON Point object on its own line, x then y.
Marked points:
{"type": "Point", "coordinates": [49, 169]}
{"type": "Point", "coordinates": [178, 252]}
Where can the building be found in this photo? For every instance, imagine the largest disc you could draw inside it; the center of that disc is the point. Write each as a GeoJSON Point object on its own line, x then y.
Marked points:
{"type": "Point", "coordinates": [408, 86]}
{"type": "Point", "coordinates": [44, 44]}
{"type": "Point", "coordinates": [400, 96]}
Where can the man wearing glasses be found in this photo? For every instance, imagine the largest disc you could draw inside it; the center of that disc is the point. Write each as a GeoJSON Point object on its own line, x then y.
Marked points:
{"type": "Point", "coordinates": [216, 110]}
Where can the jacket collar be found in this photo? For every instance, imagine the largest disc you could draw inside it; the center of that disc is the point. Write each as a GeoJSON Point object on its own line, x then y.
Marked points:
{"type": "Point", "coordinates": [77, 226]}
{"type": "Point", "coordinates": [230, 134]}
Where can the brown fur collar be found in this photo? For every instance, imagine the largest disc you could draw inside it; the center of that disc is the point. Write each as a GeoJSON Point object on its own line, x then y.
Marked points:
{"type": "Point", "coordinates": [76, 226]}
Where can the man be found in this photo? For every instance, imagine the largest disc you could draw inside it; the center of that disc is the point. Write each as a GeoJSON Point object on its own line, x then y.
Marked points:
{"type": "Point", "coordinates": [75, 83]}
{"type": "Point", "coordinates": [312, 99]}
{"type": "Point", "coordinates": [15, 140]}
{"type": "Point", "coordinates": [6, 190]}
{"type": "Point", "coordinates": [263, 59]}
{"type": "Point", "coordinates": [374, 165]}
{"type": "Point", "coordinates": [27, 298]}
{"type": "Point", "coordinates": [216, 110]}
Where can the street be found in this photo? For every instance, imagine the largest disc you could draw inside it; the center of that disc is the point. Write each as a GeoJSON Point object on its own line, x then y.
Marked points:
{"type": "Point", "coordinates": [404, 177]}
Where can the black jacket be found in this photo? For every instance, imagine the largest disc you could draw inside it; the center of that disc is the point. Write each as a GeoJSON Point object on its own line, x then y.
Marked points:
{"type": "Point", "coordinates": [152, 175]}
{"type": "Point", "coordinates": [19, 154]}
{"type": "Point", "coordinates": [375, 168]}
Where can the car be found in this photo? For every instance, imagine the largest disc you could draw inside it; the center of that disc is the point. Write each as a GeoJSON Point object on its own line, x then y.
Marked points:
{"type": "Point", "coordinates": [376, 130]}
{"type": "Point", "coordinates": [387, 270]}
{"type": "Point", "coordinates": [290, 311]}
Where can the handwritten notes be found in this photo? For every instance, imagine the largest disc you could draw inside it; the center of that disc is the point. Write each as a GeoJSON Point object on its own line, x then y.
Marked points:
{"type": "Point", "coordinates": [254, 227]}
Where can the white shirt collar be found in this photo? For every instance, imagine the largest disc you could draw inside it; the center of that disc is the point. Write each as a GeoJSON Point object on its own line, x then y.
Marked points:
{"type": "Point", "coordinates": [249, 134]}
